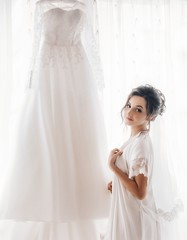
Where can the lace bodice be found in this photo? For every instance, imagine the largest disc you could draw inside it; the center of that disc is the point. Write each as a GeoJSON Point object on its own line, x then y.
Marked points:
{"type": "Point", "coordinates": [59, 27]}
{"type": "Point", "coordinates": [64, 27]}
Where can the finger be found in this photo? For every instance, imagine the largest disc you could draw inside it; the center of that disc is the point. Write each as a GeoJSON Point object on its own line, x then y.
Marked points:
{"type": "Point", "coordinates": [110, 188]}
{"type": "Point", "coordinates": [115, 151]}
{"type": "Point", "coordinates": [119, 153]}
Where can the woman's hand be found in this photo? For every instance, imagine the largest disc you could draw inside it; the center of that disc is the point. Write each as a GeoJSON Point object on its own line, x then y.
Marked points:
{"type": "Point", "coordinates": [114, 154]}
{"type": "Point", "coordinates": [110, 186]}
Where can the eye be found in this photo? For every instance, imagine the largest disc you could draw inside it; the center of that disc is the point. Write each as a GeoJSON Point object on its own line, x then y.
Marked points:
{"type": "Point", "coordinates": [128, 105]}
{"type": "Point", "coordinates": [138, 110]}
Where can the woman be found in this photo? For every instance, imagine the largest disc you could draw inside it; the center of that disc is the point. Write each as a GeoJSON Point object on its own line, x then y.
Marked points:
{"type": "Point", "coordinates": [133, 212]}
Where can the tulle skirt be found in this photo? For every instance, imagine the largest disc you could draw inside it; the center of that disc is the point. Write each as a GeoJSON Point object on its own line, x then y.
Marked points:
{"type": "Point", "coordinates": [78, 230]}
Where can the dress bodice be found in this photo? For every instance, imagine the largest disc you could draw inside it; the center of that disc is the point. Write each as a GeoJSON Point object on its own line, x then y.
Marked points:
{"type": "Point", "coordinates": [65, 30]}
{"type": "Point", "coordinates": [60, 27]}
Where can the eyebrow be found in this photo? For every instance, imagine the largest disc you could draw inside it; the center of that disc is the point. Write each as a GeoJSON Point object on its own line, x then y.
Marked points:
{"type": "Point", "coordinates": [139, 106]}
{"type": "Point", "coordinates": [136, 105]}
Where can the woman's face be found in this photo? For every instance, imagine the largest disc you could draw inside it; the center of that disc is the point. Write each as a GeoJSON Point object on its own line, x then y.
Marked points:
{"type": "Point", "coordinates": [135, 113]}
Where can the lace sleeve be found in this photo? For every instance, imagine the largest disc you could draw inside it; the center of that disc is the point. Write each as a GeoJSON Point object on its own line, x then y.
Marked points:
{"type": "Point", "coordinates": [36, 35]}
{"type": "Point", "coordinates": [91, 42]}
{"type": "Point", "coordinates": [138, 166]}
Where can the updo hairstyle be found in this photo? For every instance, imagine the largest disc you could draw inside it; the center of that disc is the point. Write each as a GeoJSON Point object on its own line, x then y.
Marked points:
{"type": "Point", "coordinates": [155, 100]}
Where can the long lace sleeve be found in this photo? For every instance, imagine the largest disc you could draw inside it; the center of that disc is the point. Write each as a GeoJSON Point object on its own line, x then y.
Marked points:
{"type": "Point", "coordinates": [36, 35]}
{"type": "Point", "coordinates": [91, 42]}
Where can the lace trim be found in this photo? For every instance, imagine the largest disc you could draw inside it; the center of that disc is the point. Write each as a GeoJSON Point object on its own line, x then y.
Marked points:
{"type": "Point", "coordinates": [173, 213]}
{"type": "Point", "coordinates": [161, 214]}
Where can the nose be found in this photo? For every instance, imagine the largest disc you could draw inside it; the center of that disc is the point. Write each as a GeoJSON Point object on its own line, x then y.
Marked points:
{"type": "Point", "coordinates": [129, 112]}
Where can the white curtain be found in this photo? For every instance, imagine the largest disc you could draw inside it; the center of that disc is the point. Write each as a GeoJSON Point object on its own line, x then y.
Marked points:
{"type": "Point", "coordinates": [141, 41]}
{"type": "Point", "coordinates": [15, 42]}
{"type": "Point", "coordinates": [5, 77]}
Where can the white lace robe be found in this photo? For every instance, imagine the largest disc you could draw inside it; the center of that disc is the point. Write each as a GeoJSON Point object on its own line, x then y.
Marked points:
{"type": "Point", "coordinates": [130, 218]}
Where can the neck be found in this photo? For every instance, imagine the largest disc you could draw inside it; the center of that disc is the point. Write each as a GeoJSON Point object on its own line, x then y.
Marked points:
{"type": "Point", "coordinates": [136, 130]}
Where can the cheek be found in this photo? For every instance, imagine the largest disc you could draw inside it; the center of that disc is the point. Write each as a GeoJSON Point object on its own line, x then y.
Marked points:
{"type": "Point", "coordinates": [140, 117]}
{"type": "Point", "coordinates": [124, 113]}
{"type": "Point", "coordinates": [144, 119]}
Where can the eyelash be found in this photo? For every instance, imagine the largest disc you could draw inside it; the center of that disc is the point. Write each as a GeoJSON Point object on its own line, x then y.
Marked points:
{"type": "Point", "coordinates": [137, 109]}
{"type": "Point", "coordinates": [128, 105]}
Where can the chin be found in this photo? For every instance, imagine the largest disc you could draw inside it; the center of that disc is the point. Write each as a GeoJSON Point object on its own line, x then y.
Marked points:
{"type": "Point", "coordinates": [128, 123]}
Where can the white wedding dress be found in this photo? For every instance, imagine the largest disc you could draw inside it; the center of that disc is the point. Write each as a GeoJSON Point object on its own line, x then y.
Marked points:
{"type": "Point", "coordinates": [55, 186]}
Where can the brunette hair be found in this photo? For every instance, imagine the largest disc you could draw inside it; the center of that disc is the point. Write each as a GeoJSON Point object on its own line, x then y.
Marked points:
{"type": "Point", "coordinates": [155, 99]}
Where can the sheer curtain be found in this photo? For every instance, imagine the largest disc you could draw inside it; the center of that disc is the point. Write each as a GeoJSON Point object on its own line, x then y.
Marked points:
{"type": "Point", "coordinates": [141, 41]}
{"type": "Point", "coordinates": [15, 40]}
{"type": "Point", "coordinates": [144, 42]}
{"type": "Point", "coordinates": [5, 76]}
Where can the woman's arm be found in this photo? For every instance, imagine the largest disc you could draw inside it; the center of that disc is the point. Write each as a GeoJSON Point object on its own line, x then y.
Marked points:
{"type": "Point", "coordinates": [137, 186]}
